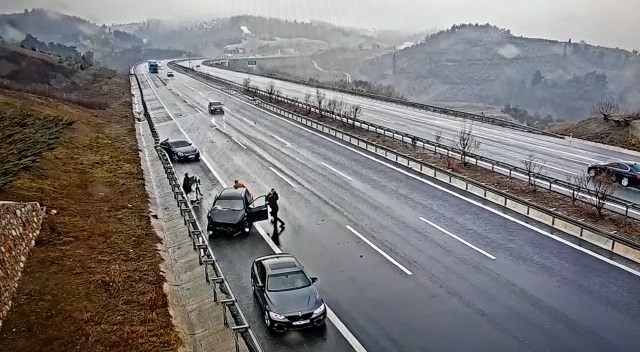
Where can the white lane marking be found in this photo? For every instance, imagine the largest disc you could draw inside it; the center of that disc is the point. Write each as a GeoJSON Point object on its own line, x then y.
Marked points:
{"type": "Point", "coordinates": [213, 121]}
{"type": "Point", "coordinates": [460, 196]}
{"type": "Point", "coordinates": [353, 341]}
{"type": "Point", "coordinates": [197, 108]}
{"type": "Point", "coordinates": [237, 141]}
{"type": "Point", "coordinates": [281, 140]}
{"type": "Point", "coordinates": [248, 121]}
{"type": "Point", "coordinates": [388, 257]}
{"type": "Point", "coordinates": [336, 171]}
{"type": "Point", "coordinates": [282, 176]}
{"type": "Point", "coordinates": [381, 119]}
{"type": "Point", "coordinates": [458, 238]}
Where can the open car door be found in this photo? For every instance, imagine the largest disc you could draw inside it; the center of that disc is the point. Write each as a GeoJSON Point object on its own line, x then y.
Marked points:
{"type": "Point", "coordinates": [257, 210]}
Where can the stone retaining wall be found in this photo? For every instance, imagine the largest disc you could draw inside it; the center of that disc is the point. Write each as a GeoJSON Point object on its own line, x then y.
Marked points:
{"type": "Point", "coordinates": [19, 226]}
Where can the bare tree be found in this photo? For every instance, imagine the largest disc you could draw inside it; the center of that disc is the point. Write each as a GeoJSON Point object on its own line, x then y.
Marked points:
{"type": "Point", "coordinates": [466, 142]}
{"type": "Point", "coordinates": [606, 108]}
{"type": "Point", "coordinates": [320, 97]}
{"type": "Point", "coordinates": [532, 165]}
{"type": "Point", "coordinates": [271, 90]}
{"type": "Point", "coordinates": [355, 111]}
{"type": "Point", "coordinates": [437, 137]}
{"type": "Point", "coordinates": [598, 189]}
{"type": "Point", "coordinates": [246, 83]}
{"type": "Point", "coordinates": [331, 106]}
{"type": "Point", "coordinates": [307, 100]}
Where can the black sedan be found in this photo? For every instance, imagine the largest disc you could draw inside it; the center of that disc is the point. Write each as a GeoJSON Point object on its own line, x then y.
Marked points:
{"type": "Point", "coordinates": [216, 107]}
{"type": "Point", "coordinates": [627, 173]}
{"type": "Point", "coordinates": [234, 211]}
{"type": "Point", "coordinates": [286, 293]}
{"type": "Point", "coordinates": [180, 150]}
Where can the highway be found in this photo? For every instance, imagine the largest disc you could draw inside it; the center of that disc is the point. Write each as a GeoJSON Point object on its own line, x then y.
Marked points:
{"type": "Point", "coordinates": [562, 158]}
{"type": "Point", "coordinates": [404, 263]}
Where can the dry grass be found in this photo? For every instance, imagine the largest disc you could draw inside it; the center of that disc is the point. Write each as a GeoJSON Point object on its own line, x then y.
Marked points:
{"type": "Point", "coordinates": [550, 200]}
{"type": "Point", "coordinates": [93, 281]}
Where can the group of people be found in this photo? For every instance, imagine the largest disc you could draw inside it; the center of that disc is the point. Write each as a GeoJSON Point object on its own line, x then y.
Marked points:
{"type": "Point", "coordinates": [191, 186]}
{"type": "Point", "coordinates": [272, 200]}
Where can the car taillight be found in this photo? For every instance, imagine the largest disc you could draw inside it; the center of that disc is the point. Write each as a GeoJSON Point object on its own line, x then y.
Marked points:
{"type": "Point", "coordinates": [638, 177]}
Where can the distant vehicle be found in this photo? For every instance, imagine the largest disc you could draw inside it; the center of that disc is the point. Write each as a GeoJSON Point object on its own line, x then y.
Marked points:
{"type": "Point", "coordinates": [153, 66]}
{"type": "Point", "coordinates": [234, 211]}
{"type": "Point", "coordinates": [180, 150]}
{"type": "Point", "coordinates": [170, 74]}
{"type": "Point", "coordinates": [286, 293]}
{"type": "Point", "coordinates": [627, 173]}
{"type": "Point", "coordinates": [216, 106]}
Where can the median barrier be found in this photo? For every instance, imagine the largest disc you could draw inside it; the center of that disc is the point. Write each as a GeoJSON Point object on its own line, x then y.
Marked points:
{"type": "Point", "coordinates": [575, 227]}
{"type": "Point", "coordinates": [212, 271]}
{"type": "Point", "coordinates": [565, 188]}
{"type": "Point", "coordinates": [569, 225]}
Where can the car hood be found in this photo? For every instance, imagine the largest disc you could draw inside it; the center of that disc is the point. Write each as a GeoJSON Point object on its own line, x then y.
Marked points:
{"type": "Point", "coordinates": [187, 150]}
{"type": "Point", "coordinates": [226, 216]}
{"type": "Point", "coordinates": [301, 300]}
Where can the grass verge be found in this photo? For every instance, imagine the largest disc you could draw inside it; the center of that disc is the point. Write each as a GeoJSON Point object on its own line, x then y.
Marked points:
{"type": "Point", "coordinates": [93, 281]}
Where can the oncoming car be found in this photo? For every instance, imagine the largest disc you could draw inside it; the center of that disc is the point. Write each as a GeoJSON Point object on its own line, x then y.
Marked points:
{"type": "Point", "coordinates": [170, 74]}
{"type": "Point", "coordinates": [626, 173]}
{"type": "Point", "coordinates": [216, 107]}
{"type": "Point", "coordinates": [286, 293]}
{"type": "Point", "coordinates": [180, 150]}
{"type": "Point", "coordinates": [234, 211]}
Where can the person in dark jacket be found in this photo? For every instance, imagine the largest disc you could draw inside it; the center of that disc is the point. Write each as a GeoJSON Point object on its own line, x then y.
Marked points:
{"type": "Point", "coordinates": [186, 184]}
{"type": "Point", "coordinates": [272, 200]}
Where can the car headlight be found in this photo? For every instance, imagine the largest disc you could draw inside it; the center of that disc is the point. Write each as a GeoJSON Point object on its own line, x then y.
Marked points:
{"type": "Point", "coordinates": [180, 154]}
{"type": "Point", "coordinates": [276, 316]}
{"type": "Point", "coordinates": [319, 310]}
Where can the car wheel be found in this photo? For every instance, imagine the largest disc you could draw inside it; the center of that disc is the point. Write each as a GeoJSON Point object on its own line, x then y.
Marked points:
{"type": "Point", "coordinates": [624, 182]}
{"type": "Point", "coordinates": [592, 172]}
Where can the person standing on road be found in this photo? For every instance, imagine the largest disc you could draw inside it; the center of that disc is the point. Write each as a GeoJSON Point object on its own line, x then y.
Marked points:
{"type": "Point", "coordinates": [272, 200]}
{"type": "Point", "coordinates": [186, 185]}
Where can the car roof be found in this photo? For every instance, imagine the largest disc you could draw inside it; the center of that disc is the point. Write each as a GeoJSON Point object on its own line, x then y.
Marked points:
{"type": "Point", "coordinates": [280, 263]}
{"type": "Point", "coordinates": [171, 141]}
{"type": "Point", "coordinates": [232, 193]}
{"type": "Point", "coordinates": [215, 102]}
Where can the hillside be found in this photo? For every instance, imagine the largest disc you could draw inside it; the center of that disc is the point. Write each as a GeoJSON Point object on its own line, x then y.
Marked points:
{"type": "Point", "coordinates": [488, 65]}
{"type": "Point", "coordinates": [50, 31]}
{"type": "Point", "coordinates": [93, 278]}
{"type": "Point", "coordinates": [274, 35]}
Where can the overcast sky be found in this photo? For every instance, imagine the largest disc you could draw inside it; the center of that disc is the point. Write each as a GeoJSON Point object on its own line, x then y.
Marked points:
{"type": "Point", "coordinates": [605, 22]}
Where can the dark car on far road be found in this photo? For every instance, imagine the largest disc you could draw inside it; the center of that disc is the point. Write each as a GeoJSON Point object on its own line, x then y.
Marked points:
{"type": "Point", "coordinates": [234, 211]}
{"type": "Point", "coordinates": [625, 172]}
{"type": "Point", "coordinates": [216, 107]}
{"type": "Point", "coordinates": [170, 74]}
{"type": "Point", "coordinates": [180, 150]}
{"type": "Point", "coordinates": [286, 293]}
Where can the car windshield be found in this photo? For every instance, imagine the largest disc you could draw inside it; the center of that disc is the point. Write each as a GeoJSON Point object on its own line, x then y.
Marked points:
{"type": "Point", "coordinates": [180, 144]}
{"type": "Point", "coordinates": [635, 167]}
{"type": "Point", "coordinates": [287, 281]}
{"type": "Point", "coordinates": [216, 103]}
{"type": "Point", "coordinates": [230, 204]}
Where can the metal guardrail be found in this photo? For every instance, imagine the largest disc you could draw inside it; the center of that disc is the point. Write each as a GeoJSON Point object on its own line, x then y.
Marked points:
{"type": "Point", "coordinates": [613, 241]}
{"type": "Point", "coordinates": [425, 107]}
{"type": "Point", "coordinates": [614, 204]}
{"type": "Point", "coordinates": [212, 271]}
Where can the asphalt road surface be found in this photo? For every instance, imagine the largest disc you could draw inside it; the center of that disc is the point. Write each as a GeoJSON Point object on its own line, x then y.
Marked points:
{"type": "Point", "coordinates": [562, 158]}
{"type": "Point", "coordinates": [405, 263]}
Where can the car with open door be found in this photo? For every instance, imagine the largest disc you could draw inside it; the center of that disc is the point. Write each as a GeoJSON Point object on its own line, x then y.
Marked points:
{"type": "Point", "coordinates": [234, 211]}
{"type": "Point", "coordinates": [286, 294]}
{"type": "Point", "coordinates": [627, 173]}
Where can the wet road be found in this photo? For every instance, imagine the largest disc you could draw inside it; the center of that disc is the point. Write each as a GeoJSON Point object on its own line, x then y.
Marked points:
{"type": "Point", "coordinates": [563, 158]}
{"type": "Point", "coordinates": [407, 264]}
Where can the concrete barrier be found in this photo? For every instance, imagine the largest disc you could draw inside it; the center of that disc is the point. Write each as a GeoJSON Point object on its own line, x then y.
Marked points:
{"type": "Point", "coordinates": [540, 216]}
{"type": "Point", "coordinates": [475, 190]}
{"type": "Point", "coordinates": [519, 207]}
{"type": "Point", "coordinates": [567, 227]}
{"type": "Point", "coordinates": [626, 251]}
{"type": "Point", "coordinates": [459, 183]}
{"type": "Point", "coordinates": [597, 239]}
{"type": "Point", "coordinates": [496, 198]}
